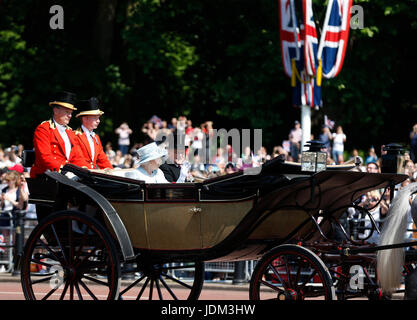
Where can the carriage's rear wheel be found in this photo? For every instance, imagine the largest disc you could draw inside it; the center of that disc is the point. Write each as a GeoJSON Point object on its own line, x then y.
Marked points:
{"type": "Point", "coordinates": [291, 272]}
{"type": "Point", "coordinates": [170, 281]}
{"type": "Point", "coordinates": [70, 256]}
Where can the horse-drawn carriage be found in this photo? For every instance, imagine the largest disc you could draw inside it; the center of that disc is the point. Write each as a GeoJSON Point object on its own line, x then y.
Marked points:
{"type": "Point", "coordinates": [94, 227]}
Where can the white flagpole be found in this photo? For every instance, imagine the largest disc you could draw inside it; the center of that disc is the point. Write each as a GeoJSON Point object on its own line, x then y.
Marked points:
{"type": "Point", "coordinates": [305, 125]}
{"type": "Point", "coordinates": [305, 119]}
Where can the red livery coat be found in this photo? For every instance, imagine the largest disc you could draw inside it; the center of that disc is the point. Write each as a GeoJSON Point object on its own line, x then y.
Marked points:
{"type": "Point", "coordinates": [100, 159]}
{"type": "Point", "coordinates": [50, 149]}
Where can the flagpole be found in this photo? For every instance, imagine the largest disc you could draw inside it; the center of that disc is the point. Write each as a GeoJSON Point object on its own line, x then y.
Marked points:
{"type": "Point", "coordinates": [305, 125]}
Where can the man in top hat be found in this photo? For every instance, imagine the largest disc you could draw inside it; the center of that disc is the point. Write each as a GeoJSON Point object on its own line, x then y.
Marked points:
{"type": "Point", "coordinates": [176, 168]}
{"type": "Point", "coordinates": [90, 144]}
{"type": "Point", "coordinates": [54, 141]}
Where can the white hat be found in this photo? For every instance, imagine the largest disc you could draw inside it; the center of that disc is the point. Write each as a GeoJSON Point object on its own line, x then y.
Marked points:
{"type": "Point", "coordinates": [150, 152]}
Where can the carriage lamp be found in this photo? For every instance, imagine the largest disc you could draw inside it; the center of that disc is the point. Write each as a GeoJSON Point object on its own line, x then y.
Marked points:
{"type": "Point", "coordinates": [314, 159]}
{"type": "Point", "coordinates": [393, 160]}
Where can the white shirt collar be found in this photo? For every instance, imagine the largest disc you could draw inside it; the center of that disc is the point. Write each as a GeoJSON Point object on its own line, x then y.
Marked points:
{"type": "Point", "coordinates": [87, 132]}
{"type": "Point", "coordinates": [62, 131]}
{"type": "Point", "coordinates": [61, 127]}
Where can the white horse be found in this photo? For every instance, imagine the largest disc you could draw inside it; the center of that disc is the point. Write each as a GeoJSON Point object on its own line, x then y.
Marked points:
{"type": "Point", "coordinates": [390, 262]}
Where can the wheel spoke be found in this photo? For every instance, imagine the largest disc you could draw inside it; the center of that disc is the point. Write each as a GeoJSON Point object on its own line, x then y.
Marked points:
{"type": "Point", "coordinates": [53, 253]}
{"type": "Point", "coordinates": [41, 262]}
{"type": "Point", "coordinates": [158, 289]}
{"type": "Point", "coordinates": [96, 280]}
{"type": "Point", "coordinates": [87, 289]}
{"type": "Point", "coordinates": [59, 242]}
{"type": "Point", "coordinates": [142, 289]}
{"type": "Point", "coordinates": [277, 275]}
{"type": "Point", "coordinates": [42, 280]}
{"type": "Point", "coordinates": [176, 280]}
{"type": "Point", "coordinates": [168, 288]}
{"type": "Point", "coordinates": [151, 289]}
{"type": "Point", "coordinates": [71, 291]}
{"type": "Point", "coordinates": [64, 291]}
{"type": "Point", "coordinates": [270, 285]}
{"type": "Point", "coordinates": [297, 277]}
{"type": "Point", "coordinates": [132, 285]}
{"type": "Point", "coordinates": [288, 271]}
{"type": "Point", "coordinates": [77, 289]}
{"type": "Point", "coordinates": [51, 292]}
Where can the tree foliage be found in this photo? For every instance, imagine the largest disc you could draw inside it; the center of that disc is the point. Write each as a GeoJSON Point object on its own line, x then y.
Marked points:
{"type": "Point", "coordinates": [210, 60]}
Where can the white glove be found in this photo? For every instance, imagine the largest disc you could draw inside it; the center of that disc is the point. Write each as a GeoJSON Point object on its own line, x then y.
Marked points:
{"type": "Point", "coordinates": [185, 168]}
{"type": "Point", "coordinates": [71, 176]}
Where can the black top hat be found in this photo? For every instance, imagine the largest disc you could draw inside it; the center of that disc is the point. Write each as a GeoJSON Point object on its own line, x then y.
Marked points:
{"type": "Point", "coordinates": [89, 107]}
{"type": "Point", "coordinates": [64, 99]}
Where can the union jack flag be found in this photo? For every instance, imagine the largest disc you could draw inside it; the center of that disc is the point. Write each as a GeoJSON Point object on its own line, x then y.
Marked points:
{"type": "Point", "coordinates": [328, 122]}
{"type": "Point", "coordinates": [299, 52]}
{"type": "Point", "coordinates": [290, 35]}
{"type": "Point", "coordinates": [311, 42]}
{"type": "Point", "coordinates": [302, 54]}
{"type": "Point", "coordinates": [334, 37]}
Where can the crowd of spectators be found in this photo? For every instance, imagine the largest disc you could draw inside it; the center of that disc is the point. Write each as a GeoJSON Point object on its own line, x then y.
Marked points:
{"type": "Point", "coordinates": [221, 160]}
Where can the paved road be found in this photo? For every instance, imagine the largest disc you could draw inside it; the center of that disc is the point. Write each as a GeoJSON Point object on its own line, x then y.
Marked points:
{"type": "Point", "coordinates": [10, 289]}
{"type": "Point", "coordinates": [13, 291]}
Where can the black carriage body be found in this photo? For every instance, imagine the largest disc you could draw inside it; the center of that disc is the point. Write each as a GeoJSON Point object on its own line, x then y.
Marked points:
{"type": "Point", "coordinates": [230, 218]}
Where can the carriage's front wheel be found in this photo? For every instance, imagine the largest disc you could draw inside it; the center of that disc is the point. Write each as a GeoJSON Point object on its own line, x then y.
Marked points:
{"type": "Point", "coordinates": [291, 272]}
{"type": "Point", "coordinates": [70, 256]}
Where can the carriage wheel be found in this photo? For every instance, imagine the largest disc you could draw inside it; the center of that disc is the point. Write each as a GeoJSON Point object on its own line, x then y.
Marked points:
{"type": "Point", "coordinates": [173, 281]}
{"type": "Point", "coordinates": [70, 256]}
{"type": "Point", "coordinates": [291, 272]}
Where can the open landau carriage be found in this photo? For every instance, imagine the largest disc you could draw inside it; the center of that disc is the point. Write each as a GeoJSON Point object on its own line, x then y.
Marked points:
{"type": "Point", "coordinates": [95, 227]}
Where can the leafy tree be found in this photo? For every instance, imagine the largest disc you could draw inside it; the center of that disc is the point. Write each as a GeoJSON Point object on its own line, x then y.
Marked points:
{"type": "Point", "coordinates": [210, 60]}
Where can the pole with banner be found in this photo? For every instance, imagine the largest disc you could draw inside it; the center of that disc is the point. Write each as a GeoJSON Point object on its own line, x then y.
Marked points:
{"type": "Point", "coordinates": [306, 60]}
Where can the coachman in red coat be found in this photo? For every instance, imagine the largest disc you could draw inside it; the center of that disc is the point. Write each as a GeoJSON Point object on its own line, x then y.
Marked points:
{"type": "Point", "coordinates": [90, 144]}
{"type": "Point", "coordinates": [54, 141]}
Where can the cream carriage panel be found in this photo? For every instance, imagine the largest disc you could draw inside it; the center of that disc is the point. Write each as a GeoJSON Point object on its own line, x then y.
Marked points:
{"type": "Point", "coordinates": [180, 226]}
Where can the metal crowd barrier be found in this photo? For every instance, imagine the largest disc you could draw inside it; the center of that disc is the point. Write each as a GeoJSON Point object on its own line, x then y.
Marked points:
{"type": "Point", "coordinates": [357, 227]}
{"type": "Point", "coordinates": [238, 272]}
{"type": "Point", "coordinates": [6, 242]}
{"type": "Point", "coordinates": [13, 237]}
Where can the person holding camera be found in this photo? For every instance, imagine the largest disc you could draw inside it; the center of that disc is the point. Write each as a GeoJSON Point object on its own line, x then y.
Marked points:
{"type": "Point", "coordinates": [124, 142]}
{"type": "Point", "coordinates": [13, 197]}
